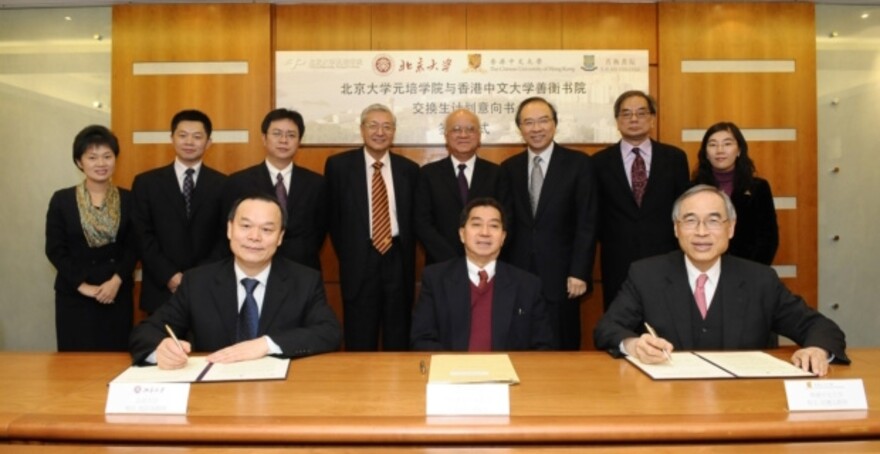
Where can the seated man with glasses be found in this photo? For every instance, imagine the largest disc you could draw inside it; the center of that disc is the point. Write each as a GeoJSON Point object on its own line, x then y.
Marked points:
{"type": "Point", "coordinates": [700, 299]}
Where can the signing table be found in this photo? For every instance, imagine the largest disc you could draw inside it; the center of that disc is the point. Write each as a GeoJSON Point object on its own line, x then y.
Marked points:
{"type": "Point", "coordinates": [378, 399]}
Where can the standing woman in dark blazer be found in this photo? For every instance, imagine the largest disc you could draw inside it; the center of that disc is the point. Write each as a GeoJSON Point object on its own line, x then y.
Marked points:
{"type": "Point", "coordinates": [723, 162]}
{"type": "Point", "coordinates": [90, 241]}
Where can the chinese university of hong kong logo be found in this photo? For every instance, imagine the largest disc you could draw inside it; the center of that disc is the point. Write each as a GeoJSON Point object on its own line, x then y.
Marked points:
{"type": "Point", "coordinates": [474, 61]}
{"type": "Point", "coordinates": [383, 64]}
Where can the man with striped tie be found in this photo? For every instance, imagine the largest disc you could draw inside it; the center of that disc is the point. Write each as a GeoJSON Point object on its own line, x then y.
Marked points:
{"type": "Point", "coordinates": [370, 193]}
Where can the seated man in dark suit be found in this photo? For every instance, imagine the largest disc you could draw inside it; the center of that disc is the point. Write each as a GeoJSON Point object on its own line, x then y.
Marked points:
{"type": "Point", "coordinates": [700, 299]}
{"type": "Point", "coordinates": [278, 309]}
{"type": "Point", "coordinates": [476, 303]}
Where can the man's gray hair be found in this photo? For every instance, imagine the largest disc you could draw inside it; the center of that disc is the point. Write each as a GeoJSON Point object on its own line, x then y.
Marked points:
{"type": "Point", "coordinates": [676, 208]}
{"type": "Point", "coordinates": [377, 108]}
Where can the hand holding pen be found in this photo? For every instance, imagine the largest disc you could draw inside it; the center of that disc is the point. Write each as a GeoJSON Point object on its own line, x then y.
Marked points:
{"type": "Point", "coordinates": [649, 346]}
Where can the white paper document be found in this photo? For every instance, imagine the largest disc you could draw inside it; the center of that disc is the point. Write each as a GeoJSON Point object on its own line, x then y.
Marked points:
{"type": "Point", "coordinates": [731, 364]}
{"type": "Point", "coordinates": [198, 369]}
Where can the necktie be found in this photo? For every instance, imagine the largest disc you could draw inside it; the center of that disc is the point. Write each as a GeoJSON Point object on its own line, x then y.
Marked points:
{"type": "Point", "coordinates": [462, 183]}
{"type": "Point", "coordinates": [639, 176]}
{"type": "Point", "coordinates": [484, 280]}
{"type": "Point", "coordinates": [381, 216]}
{"type": "Point", "coordinates": [535, 183]}
{"type": "Point", "coordinates": [188, 186]}
{"type": "Point", "coordinates": [700, 295]}
{"type": "Point", "coordinates": [249, 315]}
{"type": "Point", "coordinates": [281, 192]}
{"type": "Point", "coordinates": [481, 316]}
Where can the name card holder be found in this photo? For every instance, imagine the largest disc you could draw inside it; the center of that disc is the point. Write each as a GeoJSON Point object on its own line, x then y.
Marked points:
{"type": "Point", "coordinates": [826, 395]}
{"type": "Point", "coordinates": [147, 398]}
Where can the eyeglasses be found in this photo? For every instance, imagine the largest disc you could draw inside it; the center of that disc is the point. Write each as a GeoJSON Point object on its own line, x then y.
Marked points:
{"type": "Point", "coordinates": [531, 123]}
{"type": "Point", "coordinates": [466, 130]}
{"type": "Point", "coordinates": [712, 224]}
{"type": "Point", "coordinates": [278, 134]}
{"type": "Point", "coordinates": [384, 127]}
{"type": "Point", "coordinates": [641, 114]}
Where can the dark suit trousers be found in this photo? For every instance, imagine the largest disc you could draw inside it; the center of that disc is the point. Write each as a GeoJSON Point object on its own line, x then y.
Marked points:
{"type": "Point", "coordinates": [564, 316]}
{"type": "Point", "coordinates": [380, 307]}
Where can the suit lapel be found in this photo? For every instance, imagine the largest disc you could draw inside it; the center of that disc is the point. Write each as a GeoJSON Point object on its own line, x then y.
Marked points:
{"type": "Point", "coordinates": [503, 305]}
{"type": "Point", "coordinates": [732, 291]}
{"type": "Point", "coordinates": [401, 187]}
{"type": "Point", "coordinates": [555, 169]}
{"type": "Point", "coordinates": [358, 176]}
{"type": "Point", "coordinates": [458, 287]}
{"type": "Point", "coordinates": [450, 178]}
{"type": "Point", "coordinates": [478, 180]}
{"type": "Point", "coordinates": [520, 184]}
{"type": "Point", "coordinates": [679, 301]}
{"type": "Point", "coordinates": [618, 171]}
{"type": "Point", "coordinates": [276, 294]}
{"type": "Point", "coordinates": [224, 294]}
{"type": "Point", "coordinates": [172, 192]}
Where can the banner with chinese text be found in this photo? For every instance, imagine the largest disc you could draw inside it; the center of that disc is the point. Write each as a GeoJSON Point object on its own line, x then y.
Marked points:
{"type": "Point", "coordinates": [331, 88]}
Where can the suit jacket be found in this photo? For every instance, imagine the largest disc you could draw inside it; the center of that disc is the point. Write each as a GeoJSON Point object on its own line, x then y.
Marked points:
{"type": "Point", "coordinates": [438, 205]}
{"type": "Point", "coordinates": [295, 313]}
{"type": "Point", "coordinates": [756, 303]}
{"type": "Point", "coordinates": [169, 241]}
{"type": "Point", "coordinates": [560, 239]}
{"type": "Point", "coordinates": [76, 262]}
{"type": "Point", "coordinates": [442, 317]}
{"type": "Point", "coordinates": [346, 175]}
{"type": "Point", "coordinates": [756, 236]}
{"type": "Point", "coordinates": [627, 231]}
{"type": "Point", "coordinates": [306, 209]}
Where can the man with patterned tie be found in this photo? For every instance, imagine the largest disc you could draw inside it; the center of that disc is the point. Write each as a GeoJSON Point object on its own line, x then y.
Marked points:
{"type": "Point", "coordinates": [370, 194]}
{"type": "Point", "coordinates": [639, 179]}
{"type": "Point", "coordinates": [300, 191]}
{"type": "Point", "coordinates": [476, 302]}
{"type": "Point", "coordinates": [244, 307]}
{"type": "Point", "coordinates": [177, 213]}
{"type": "Point", "coordinates": [698, 298]}
{"type": "Point", "coordinates": [446, 186]}
{"type": "Point", "coordinates": [549, 192]}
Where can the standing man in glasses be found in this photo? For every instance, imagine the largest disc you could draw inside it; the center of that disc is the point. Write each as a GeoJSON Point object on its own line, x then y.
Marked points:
{"type": "Point", "coordinates": [697, 298]}
{"type": "Point", "coordinates": [549, 192]}
{"type": "Point", "coordinates": [639, 180]}
{"type": "Point", "coordinates": [370, 198]}
{"type": "Point", "coordinates": [447, 185]}
{"type": "Point", "coordinates": [300, 191]}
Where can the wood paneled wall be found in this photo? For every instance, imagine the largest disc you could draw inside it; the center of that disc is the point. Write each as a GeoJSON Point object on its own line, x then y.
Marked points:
{"type": "Point", "coordinates": [669, 31]}
{"type": "Point", "coordinates": [755, 100]}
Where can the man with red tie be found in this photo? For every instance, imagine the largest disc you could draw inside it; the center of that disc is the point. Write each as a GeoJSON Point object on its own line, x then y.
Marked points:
{"type": "Point", "coordinates": [700, 299]}
{"type": "Point", "coordinates": [477, 303]}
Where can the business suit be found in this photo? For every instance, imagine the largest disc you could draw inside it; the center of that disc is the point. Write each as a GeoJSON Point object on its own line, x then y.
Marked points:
{"type": "Point", "coordinates": [82, 323]}
{"type": "Point", "coordinates": [627, 231]}
{"type": "Point", "coordinates": [442, 317]}
{"type": "Point", "coordinates": [377, 290]}
{"type": "Point", "coordinates": [438, 205]}
{"type": "Point", "coordinates": [756, 236]}
{"type": "Point", "coordinates": [295, 313]}
{"type": "Point", "coordinates": [750, 298]}
{"type": "Point", "coordinates": [306, 208]}
{"type": "Point", "coordinates": [560, 239]}
{"type": "Point", "coordinates": [169, 241]}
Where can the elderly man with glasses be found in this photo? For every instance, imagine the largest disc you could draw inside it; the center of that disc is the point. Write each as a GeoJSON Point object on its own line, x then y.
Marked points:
{"type": "Point", "coordinates": [700, 299]}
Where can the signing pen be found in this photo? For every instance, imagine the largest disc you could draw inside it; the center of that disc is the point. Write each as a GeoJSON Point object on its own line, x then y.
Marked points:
{"type": "Point", "coordinates": [176, 341]}
{"type": "Point", "coordinates": [654, 335]}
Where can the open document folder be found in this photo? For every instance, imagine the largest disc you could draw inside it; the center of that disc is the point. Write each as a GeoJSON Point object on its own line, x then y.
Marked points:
{"type": "Point", "coordinates": [732, 364]}
{"type": "Point", "coordinates": [198, 369]}
{"type": "Point", "coordinates": [461, 369]}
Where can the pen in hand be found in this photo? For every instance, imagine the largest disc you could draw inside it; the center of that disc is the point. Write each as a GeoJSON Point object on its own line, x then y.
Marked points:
{"type": "Point", "coordinates": [176, 341]}
{"type": "Point", "coordinates": [654, 335]}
